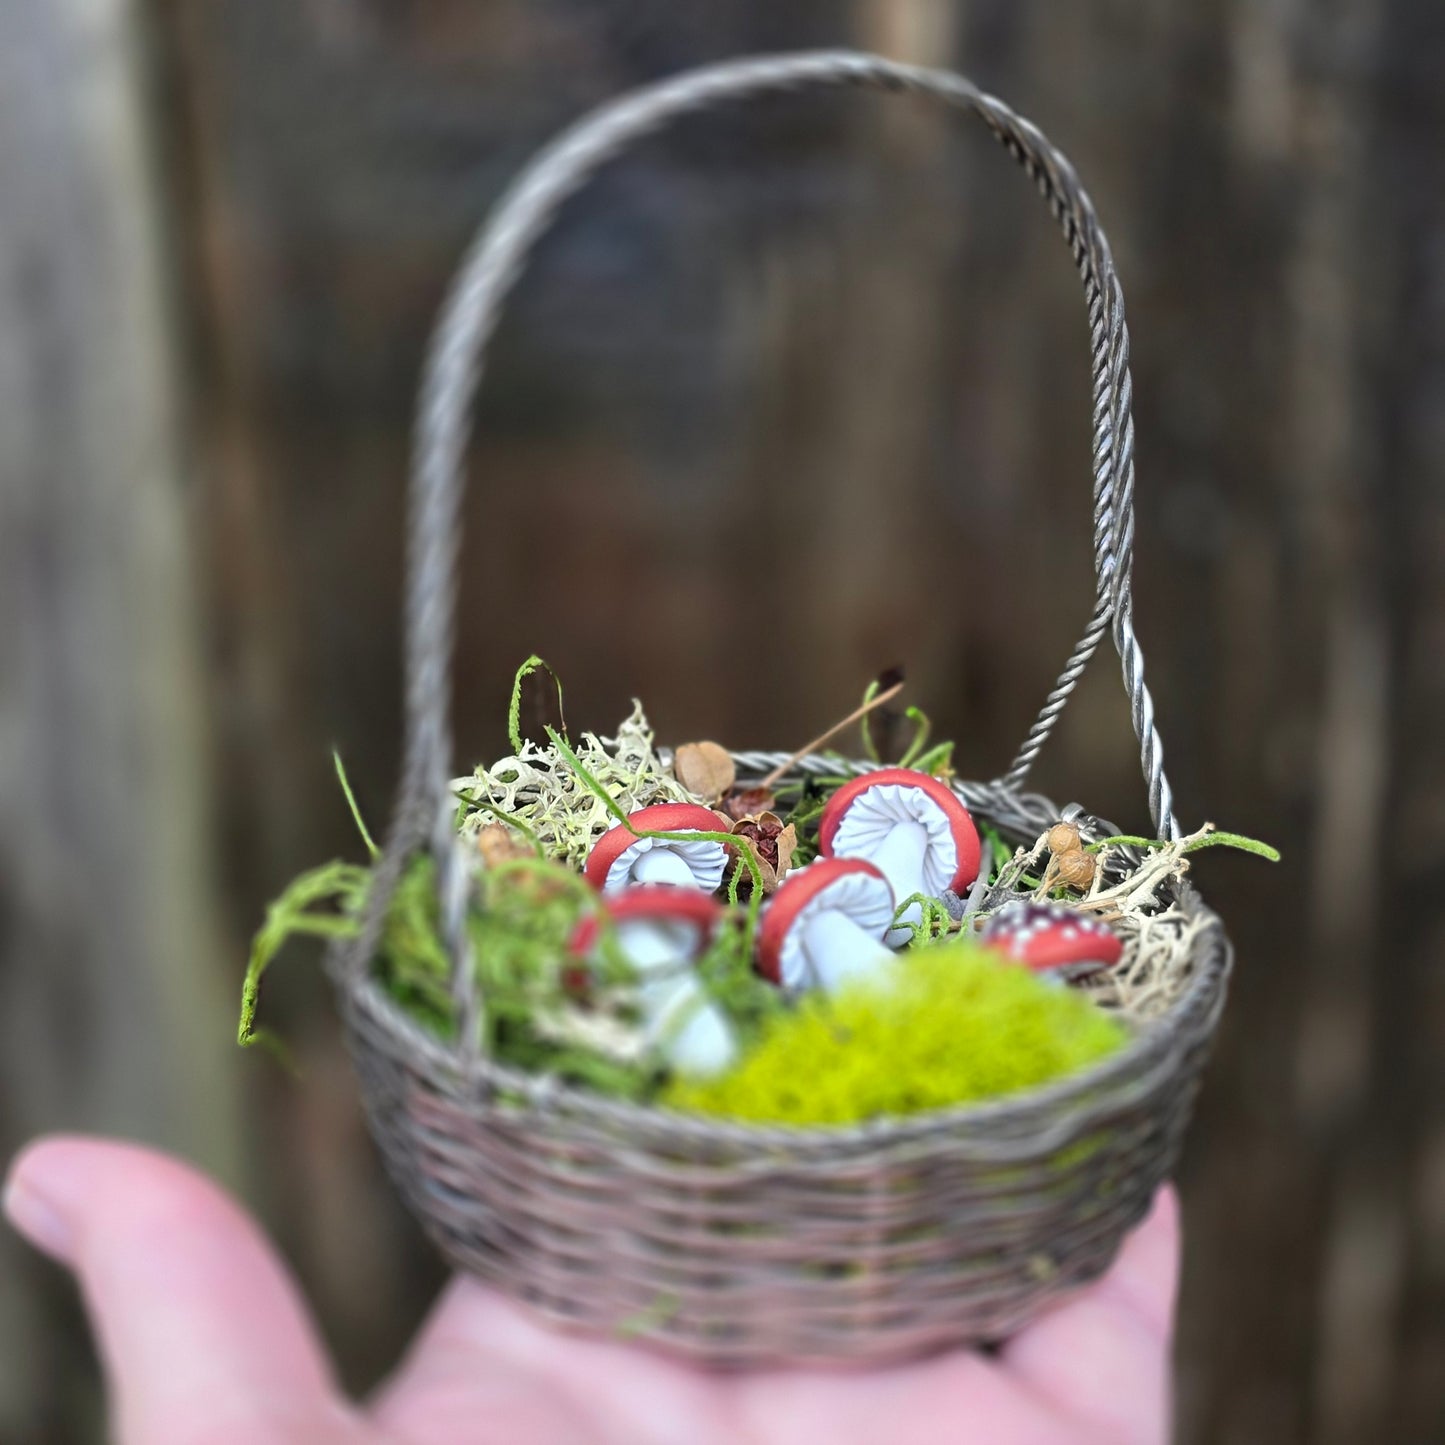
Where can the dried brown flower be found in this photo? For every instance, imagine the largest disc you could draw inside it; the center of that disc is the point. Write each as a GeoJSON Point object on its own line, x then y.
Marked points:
{"type": "Point", "coordinates": [773, 845]}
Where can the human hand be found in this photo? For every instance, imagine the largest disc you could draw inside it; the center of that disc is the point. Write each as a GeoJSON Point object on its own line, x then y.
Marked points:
{"type": "Point", "coordinates": [205, 1341]}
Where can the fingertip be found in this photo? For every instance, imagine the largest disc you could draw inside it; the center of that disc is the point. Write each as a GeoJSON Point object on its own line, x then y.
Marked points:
{"type": "Point", "coordinates": [192, 1309]}
{"type": "Point", "coordinates": [48, 1184]}
{"type": "Point", "coordinates": [64, 1190]}
{"type": "Point", "coordinates": [30, 1211]}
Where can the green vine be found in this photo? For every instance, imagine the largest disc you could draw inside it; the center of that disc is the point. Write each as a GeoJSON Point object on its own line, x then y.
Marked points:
{"type": "Point", "coordinates": [1215, 838]}
{"type": "Point", "coordinates": [514, 708]}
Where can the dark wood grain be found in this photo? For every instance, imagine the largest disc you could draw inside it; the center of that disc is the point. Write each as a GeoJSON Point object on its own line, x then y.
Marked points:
{"type": "Point", "coordinates": [815, 377]}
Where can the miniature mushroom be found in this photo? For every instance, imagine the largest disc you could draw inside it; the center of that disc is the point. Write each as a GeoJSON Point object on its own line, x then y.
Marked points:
{"type": "Point", "coordinates": [1053, 939]}
{"type": "Point", "coordinates": [619, 858]}
{"type": "Point", "coordinates": [912, 827]}
{"type": "Point", "coordinates": [660, 931]}
{"type": "Point", "coordinates": [825, 925]}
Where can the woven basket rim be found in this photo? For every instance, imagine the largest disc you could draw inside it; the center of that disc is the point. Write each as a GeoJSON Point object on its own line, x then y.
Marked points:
{"type": "Point", "coordinates": [1062, 1107]}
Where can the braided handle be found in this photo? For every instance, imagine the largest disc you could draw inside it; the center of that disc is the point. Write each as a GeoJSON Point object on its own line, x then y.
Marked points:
{"type": "Point", "coordinates": [496, 260]}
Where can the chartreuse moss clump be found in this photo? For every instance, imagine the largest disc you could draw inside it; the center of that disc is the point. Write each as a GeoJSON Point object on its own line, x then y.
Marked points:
{"type": "Point", "coordinates": [951, 1025]}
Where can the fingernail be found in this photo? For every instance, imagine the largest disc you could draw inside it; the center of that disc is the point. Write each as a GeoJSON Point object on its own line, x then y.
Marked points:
{"type": "Point", "coordinates": [36, 1219]}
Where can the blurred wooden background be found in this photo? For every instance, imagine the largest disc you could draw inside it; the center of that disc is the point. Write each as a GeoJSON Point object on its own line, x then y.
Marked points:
{"type": "Point", "coordinates": [813, 379]}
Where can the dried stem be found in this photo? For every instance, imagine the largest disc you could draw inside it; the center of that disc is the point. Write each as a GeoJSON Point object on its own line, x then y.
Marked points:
{"type": "Point", "coordinates": [858, 713]}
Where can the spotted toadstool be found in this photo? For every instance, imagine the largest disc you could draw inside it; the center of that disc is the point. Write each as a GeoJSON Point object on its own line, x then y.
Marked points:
{"type": "Point", "coordinates": [913, 828]}
{"type": "Point", "coordinates": [1052, 938]}
{"type": "Point", "coordinates": [620, 858]}
{"type": "Point", "coordinates": [660, 931]}
{"type": "Point", "coordinates": [825, 925]}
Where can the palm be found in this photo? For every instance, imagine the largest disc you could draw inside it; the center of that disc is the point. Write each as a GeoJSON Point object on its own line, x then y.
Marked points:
{"type": "Point", "coordinates": [206, 1343]}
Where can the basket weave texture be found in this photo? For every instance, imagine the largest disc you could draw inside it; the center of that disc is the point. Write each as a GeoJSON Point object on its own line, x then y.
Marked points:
{"type": "Point", "coordinates": [746, 1245]}
{"type": "Point", "coordinates": [742, 1244]}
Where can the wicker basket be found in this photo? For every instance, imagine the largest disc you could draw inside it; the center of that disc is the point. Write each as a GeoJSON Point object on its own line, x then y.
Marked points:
{"type": "Point", "coordinates": [742, 1244]}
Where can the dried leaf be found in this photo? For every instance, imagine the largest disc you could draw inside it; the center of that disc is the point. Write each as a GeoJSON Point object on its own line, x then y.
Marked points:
{"type": "Point", "coordinates": [705, 769]}
{"type": "Point", "coordinates": [787, 846]}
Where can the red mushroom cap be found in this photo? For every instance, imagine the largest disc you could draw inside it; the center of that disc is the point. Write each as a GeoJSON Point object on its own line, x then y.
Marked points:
{"type": "Point", "coordinates": [659, 818]}
{"type": "Point", "coordinates": [802, 887]}
{"type": "Point", "coordinates": [960, 822]}
{"type": "Point", "coordinates": [649, 900]}
{"type": "Point", "coordinates": [1053, 937]}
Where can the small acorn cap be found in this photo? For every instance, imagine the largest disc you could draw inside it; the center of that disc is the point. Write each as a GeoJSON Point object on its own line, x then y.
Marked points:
{"type": "Point", "coordinates": [862, 813]}
{"type": "Point", "coordinates": [618, 851]}
{"type": "Point", "coordinates": [1053, 938]}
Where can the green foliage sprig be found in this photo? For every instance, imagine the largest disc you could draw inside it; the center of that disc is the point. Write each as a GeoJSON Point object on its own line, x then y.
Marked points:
{"type": "Point", "coordinates": [514, 708]}
{"type": "Point", "coordinates": [325, 902]}
{"type": "Point", "coordinates": [1209, 837]}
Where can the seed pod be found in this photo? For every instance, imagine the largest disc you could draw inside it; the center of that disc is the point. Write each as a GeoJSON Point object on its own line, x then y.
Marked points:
{"type": "Point", "coordinates": [705, 769]}
{"type": "Point", "coordinates": [1075, 868]}
{"type": "Point", "coordinates": [1063, 838]}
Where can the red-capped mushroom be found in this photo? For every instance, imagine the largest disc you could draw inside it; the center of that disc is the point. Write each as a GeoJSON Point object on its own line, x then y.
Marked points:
{"type": "Point", "coordinates": [825, 925]}
{"type": "Point", "coordinates": [619, 858]}
{"type": "Point", "coordinates": [660, 931]}
{"type": "Point", "coordinates": [913, 828]}
{"type": "Point", "coordinates": [1052, 938]}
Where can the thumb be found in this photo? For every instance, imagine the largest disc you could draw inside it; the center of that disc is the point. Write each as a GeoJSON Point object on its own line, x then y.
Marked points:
{"type": "Point", "coordinates": [200, 1328]}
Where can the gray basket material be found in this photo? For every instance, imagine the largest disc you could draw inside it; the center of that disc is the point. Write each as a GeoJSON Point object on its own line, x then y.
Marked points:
{"type": "Point", "coordinates": [747, 1245]}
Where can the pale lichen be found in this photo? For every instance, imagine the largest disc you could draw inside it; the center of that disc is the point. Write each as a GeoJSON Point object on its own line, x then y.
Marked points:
{"type": "Point", "coordinates": [541, 795]}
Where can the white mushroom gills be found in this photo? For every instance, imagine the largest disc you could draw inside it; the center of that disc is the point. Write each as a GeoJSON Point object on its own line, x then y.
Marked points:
{"type": "Point", "coordinates": [692, 1032]}
{"type": "Point", "coordinates": [837, 951]}
{"type": "Point", "coordinates": [687, 862]}
{"type": "Point", "coordinates": [659, 864]}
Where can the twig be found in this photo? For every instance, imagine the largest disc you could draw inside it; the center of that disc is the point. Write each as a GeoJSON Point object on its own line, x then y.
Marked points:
{"type": "Point", "coordinates": [887, 695]}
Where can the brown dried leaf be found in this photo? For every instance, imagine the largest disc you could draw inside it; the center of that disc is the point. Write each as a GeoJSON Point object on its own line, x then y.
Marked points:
{"type": "Point", "coordinates": [787, 846]}
{"type": "Point", "coordinates": [705, 769]}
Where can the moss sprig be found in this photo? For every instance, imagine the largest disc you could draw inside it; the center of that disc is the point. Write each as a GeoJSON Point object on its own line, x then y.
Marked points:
{"type": "Point", "coordinates": [952, 1025]}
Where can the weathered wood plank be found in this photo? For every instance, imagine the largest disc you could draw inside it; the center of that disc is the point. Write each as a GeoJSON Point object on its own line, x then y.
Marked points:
{"type": "Point", "coordinates": [111, 1005]}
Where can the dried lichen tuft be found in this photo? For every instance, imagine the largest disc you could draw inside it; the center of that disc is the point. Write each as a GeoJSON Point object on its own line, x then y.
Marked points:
{"type": "Point", "coordinates": [540, 794]}
{"type": "Point", "coordinates": [1137, 899]}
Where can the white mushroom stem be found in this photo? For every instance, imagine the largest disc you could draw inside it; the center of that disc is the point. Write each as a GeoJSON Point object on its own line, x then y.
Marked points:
{"type": "Point", "coordinates": [838, 951]}
{"type": "Point", "coordinates": [659, 864]}
{"type": "Point", "coordinates": [655, 945]}
{"type": "Point", "coordinates": [694, 1036]}
{"type": "Point", "coordinates": [900, 858]}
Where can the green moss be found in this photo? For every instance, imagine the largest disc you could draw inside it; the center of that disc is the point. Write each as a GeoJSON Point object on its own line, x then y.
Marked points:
{"type": "Point", "coordinates": [953, 1026]}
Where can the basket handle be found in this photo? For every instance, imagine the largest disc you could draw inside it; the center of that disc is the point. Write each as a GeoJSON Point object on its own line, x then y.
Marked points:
{"type": "Point", "coordinates": [496, 260]}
